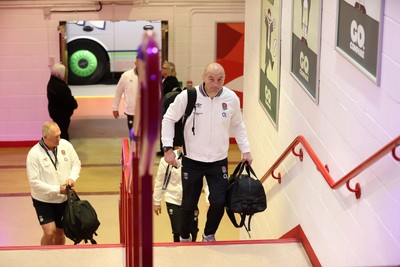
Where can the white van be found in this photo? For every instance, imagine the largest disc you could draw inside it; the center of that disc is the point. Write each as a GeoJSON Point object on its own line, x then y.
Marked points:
{"type": "Point", "coordinates": [98, 48]}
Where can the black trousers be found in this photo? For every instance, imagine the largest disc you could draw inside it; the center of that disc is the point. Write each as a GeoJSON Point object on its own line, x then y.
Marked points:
{"type": "Point", "coordinates": [174, 213]}
{"type": "Point", "coordinates": [216, 174]}
{"type": "Point", "coordinates": [129, 119]}
{"type": "Point", "coordinates": [63, 123]}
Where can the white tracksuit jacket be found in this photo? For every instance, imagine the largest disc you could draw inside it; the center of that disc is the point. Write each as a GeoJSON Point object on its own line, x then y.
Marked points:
{"type": "Point", "coordinates": [213, 120]}
{"type": "Point", "coordinates": [128, 85]}
{"type": "Point", "coordinates": [173, 193]}
{"type": "Point", "coordinates": [44, 179]}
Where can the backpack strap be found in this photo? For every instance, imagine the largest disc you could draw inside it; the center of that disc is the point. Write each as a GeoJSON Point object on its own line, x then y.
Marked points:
{"type": "Point", "coordinates": [232, 217]}
{"type": "Point", "coordinates": [167, 177]}
{"type": "Point", "coordinates": [191, 104]}
{"type": "Point", "coordinates": [248, 224]}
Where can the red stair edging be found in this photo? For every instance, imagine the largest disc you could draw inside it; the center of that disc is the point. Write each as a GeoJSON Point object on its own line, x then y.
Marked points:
{"type": "Point", "coordinates": [230, 242]}
{"type": "Point", "coordinates": [297, 232]}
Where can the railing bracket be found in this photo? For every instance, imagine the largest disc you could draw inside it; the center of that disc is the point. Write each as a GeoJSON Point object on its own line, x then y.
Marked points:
{"type": "Point", "coordinates": [356, 190]}
{"type": "Point", "coordinates": [279, 178]}
{"type": "Point", "coordinates": [327, 167]}
{"type": "Point", "coordinates": [394, 153]}
{"type": "Point", "coordinates": [300, 154]}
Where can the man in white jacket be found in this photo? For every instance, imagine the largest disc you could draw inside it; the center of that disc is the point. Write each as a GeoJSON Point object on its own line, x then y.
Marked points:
{"type": "Point", "coordinates": [51, 165]}
{"type": "Point", "coordinates": [206, 134]}
{"type": "Point", "coordinates": [168, 184]}
{"type": "Point", "coordinates": [128, 86]}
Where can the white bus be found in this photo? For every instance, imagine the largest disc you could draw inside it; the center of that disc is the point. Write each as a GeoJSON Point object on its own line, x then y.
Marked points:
{"type": "Point", "coordinates": [98, 48]}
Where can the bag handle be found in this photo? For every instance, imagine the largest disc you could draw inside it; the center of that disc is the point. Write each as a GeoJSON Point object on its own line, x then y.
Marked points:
{"type": "Point", "coordinates": [243, 166]}
{"type": "Point", "coordinates": [249, 169]}
{"type": "Point", "coordinates": [238, 170]}
{"type": "Point", "coordinates": [71, 194]}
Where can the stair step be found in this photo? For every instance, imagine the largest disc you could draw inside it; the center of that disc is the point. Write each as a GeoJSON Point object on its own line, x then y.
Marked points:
{"type": "Point", "coordinates": [280, 252]}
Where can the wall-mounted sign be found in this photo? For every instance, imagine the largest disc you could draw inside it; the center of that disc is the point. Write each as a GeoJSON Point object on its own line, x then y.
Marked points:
{"type": "Point", "coordinates": [359, 34]}
{"type": "Point", "coordinates": [270, 58]}
{"type": "Point", "coordinates": [306, 31]}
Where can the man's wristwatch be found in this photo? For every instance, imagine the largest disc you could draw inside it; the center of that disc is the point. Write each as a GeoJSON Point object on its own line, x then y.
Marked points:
{"type": "Point", "coordinates": [166, 148]}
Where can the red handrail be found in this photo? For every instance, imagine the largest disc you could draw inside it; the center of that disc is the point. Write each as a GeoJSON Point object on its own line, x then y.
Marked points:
{"type": "Point", "coordinates": [125, 202]}
{"type": "Point", "coordinates": [324, 170]}
{"type": "Point", "coordinates": [135, 209]}
{"type": "Point", "coordinates": [125, 173]}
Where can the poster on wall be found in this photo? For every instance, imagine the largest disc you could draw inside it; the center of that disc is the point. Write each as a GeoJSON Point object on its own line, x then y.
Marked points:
{"type": "Point", "coordinates": [231, 54]}
{"type": "Point", "coordinates": [306, 29]}
{"type": "Point", "coordinates": [270, 58]}
{"type": "Point", "coordinates": [359, 34]}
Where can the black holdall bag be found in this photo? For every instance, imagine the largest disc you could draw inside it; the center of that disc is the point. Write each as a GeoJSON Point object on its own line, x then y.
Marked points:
{"type": "Point", "coordinates": [79, 220]}
{"type": "Point", "coordinates": [245, 195]}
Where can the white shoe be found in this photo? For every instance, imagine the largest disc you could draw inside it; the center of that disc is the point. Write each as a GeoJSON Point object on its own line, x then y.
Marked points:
{"type": "Point", "coordinates": [185, 239]}
{"type": "Point", "coordinates": [208, 238]}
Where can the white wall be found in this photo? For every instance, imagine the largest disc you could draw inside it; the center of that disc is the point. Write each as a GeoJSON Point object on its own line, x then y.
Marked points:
{"type": "Point", "coordinates": [29, 40]}
{"type": "Point", "coordinates": [353, 120]}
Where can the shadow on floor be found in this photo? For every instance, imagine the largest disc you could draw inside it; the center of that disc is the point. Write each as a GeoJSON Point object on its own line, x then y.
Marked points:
{"type": "Point", "coordinates": [98, 128]}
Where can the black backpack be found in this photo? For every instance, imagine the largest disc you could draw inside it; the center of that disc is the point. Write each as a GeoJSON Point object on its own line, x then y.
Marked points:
{"type": "Point", "coordinates": [245, 196]}
{"type": "Point", "coordinates": [179, 125]}
{"type": "Point", "coordinates": [80, 220]}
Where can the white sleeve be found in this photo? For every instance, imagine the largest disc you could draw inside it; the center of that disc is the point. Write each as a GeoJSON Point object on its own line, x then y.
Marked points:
{"type": "Point", "coordinates": [239, 129]}
{"type": "Point", "coordinates": [75, 162]}
{"type": "Point", "coordinates": [158, 182]}
{"type": "Point", "coordinates": [119, 90]}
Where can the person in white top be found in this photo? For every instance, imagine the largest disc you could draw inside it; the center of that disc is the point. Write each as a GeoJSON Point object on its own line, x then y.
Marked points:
{"type": "Point", "coordinates": [168, 184]}
{"type": "Point", "coordinates": [206, 135]}
{"type": "Point", "coordinates": [128, 86]}
{"type": "Point", "coordinates": [51, 165]}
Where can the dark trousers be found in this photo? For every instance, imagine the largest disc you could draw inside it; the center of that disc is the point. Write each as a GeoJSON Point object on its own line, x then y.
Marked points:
{"type": "Point", "coordinates": [174, 213]}
{"type": "Point", "coordinates": [216, 174]}
{"type": "Point", "coordinates": [63, 123]}
{"type": "Point", "coordinates": [130, 121]}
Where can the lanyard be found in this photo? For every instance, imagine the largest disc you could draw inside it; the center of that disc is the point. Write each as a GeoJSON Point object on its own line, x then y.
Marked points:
{"type": "Point", "coordinates": [55, 161]}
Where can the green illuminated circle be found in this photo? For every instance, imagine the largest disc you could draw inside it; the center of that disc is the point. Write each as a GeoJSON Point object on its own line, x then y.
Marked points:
{"type": "Point", "coordinates": [83, 63]}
